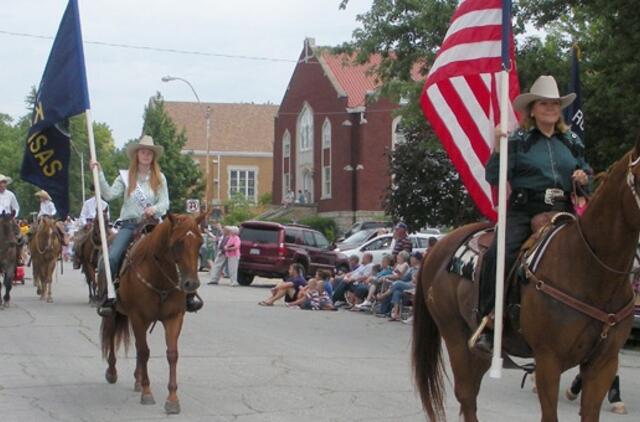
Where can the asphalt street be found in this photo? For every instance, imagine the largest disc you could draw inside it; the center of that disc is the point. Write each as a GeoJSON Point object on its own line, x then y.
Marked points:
{"type": "Point", "coordinates": [238, 362]}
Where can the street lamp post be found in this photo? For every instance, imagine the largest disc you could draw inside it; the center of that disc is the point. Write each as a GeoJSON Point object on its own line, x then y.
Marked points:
{"type": "Point", "coordinates": [207, 132]}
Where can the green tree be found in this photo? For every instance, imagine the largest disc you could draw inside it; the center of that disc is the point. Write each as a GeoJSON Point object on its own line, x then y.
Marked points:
{"type": "Point", "coordinates": [183, 174]}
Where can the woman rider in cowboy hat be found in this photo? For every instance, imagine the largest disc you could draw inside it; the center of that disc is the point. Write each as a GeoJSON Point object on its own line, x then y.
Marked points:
{"type": "Point", "coordinates": [545, 159]}
{"type": "Point", "coordinates": [146, 197]}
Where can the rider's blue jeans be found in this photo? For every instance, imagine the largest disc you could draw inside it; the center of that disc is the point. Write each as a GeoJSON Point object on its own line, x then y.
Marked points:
{"type": "Point", "coordinates": [119, 246]}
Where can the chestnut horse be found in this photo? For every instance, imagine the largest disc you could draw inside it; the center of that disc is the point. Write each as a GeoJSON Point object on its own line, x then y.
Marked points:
{"type": "Point", "coordinates": [158, 272]}
{"type": "Point", "coordinates": [8, 244]}
{"type": "Point", "coordinates": [88, 248]}
{"type": "Point", "coordinates": [589, 260]}
{"type": "Point", "coordinates": [45, 247]}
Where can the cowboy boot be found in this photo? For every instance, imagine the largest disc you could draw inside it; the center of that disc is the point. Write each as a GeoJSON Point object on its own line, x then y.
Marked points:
{"type": "Point", "coordinates": [194, 302]}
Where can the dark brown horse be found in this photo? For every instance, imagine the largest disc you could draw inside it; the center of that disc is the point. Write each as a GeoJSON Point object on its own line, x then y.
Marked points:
{"type": "Point", "coordinates": [87, 250]}
{"type": "Point", "coordinates": [8, 244]}
{"type": "Point", "coordinates": [45, 247]}
{"type": "Point", "coordinates": [588, 261]}
{"type": "Point", "coordinates": [160, 269]}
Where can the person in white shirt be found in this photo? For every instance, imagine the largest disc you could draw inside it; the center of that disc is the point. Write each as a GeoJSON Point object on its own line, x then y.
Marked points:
{"type": "Point", "coordinates": [48, 209]}
{"type": "Point", "coordinates": [8, 202]}
{"type": "Point", "coordinates": [87, 215]}
{"type": "Point", "coordinates": [9, 205]}
{"type": "Point", "coordinates": [88, 212]}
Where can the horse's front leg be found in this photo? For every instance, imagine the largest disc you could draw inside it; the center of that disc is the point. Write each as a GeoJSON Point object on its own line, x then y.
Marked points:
{"type": "Point", "coordinates": [548, 372]}
{"type": "Point", "coordinates": [142, 358]}
{"type": "Point", "coordinates": [172, 328]}
{"type": "Point", "coordinates": [597, 377]}
{"type": "Point", "coordinates": [8, 284]}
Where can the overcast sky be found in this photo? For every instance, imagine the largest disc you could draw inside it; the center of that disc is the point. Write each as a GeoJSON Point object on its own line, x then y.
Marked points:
{"type": "Point", "coordinates": [122, 80]}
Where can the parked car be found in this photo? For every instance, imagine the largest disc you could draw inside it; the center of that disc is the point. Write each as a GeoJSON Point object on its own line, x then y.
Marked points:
{"type": "Point", "coordinates": [268, 249]}
{"type": "Point", "coordinates": [432, 231]}
{"type": "Point", "coordinates": [364, 225]}
{"type": "Point", "coordinates": [358, 239]}
{"type": "Point", "coordinates": [382, 245]}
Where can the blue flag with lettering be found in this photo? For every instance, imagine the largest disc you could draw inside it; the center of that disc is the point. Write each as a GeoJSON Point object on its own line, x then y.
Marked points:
{"type": "Point", "coordinates": [62, 94]}
{"type": "Point", "coordinates": [573, 114]}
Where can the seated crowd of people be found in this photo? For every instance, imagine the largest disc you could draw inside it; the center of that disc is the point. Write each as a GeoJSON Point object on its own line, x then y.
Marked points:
{"type": "Point", "coordinates": [381, 289]}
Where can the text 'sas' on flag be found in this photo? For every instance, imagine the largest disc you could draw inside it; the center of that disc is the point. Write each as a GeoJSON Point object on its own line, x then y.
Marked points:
{"type": "Point", "coordinates": [62, 94]}
{"type": "Point", "coordinates": [461, 95]}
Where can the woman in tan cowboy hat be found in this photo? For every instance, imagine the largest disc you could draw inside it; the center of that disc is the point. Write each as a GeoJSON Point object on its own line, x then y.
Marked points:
{"type": "Point", "coordinates": [545, 159]}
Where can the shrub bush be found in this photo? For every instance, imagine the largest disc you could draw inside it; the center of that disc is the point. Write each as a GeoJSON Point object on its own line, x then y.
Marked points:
{"type": "Point", "coordinates": [325, 225]}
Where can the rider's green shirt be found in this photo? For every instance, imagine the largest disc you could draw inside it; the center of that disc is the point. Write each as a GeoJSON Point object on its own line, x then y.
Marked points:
{"type": "Point", "coordinates": [131, 208]}
{"type": "Point", "coordinates": [538, 162]}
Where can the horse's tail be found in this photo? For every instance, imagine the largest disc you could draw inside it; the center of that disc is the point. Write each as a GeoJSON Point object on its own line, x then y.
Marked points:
{"type": "Point", "coordinates": [115, 331]}
{"type": "Point", "coordinates": [427, 355]}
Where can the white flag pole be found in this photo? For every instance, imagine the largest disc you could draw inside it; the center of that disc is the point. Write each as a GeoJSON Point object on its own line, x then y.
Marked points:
{"type": "Point", "coordinates": [496, 361]}
{"type": "Point", "coordinates": [111, 293]}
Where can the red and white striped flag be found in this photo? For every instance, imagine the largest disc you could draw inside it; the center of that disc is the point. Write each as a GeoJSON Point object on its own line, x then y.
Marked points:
{"type": "Point", "coordinates": [461, 94]}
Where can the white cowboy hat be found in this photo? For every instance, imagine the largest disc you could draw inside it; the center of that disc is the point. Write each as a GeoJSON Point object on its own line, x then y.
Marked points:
{"type": "Point", "coordinates": [4, 178]}
{"type": "Point", "coordinates": [145, 142]}
{"type": "Point", "coordinates": [43, 194]}
{"type": "Point", "coordinates": [544, 88]}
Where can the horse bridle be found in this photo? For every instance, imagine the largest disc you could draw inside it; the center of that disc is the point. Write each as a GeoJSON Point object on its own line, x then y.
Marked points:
{"type": "Point", "coordinates": [631, 178]}
{"type": "Point", "coordinates": [174, 286]}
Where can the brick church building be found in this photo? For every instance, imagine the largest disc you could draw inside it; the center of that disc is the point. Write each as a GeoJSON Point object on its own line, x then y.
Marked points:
{"type": "Point", "coordinates": [332, 138]}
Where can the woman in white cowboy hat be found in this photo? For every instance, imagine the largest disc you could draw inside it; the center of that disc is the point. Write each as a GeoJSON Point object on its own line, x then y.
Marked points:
{"type": "Point", "coordinates": [8, 202]}
{"type": "Point", "coordinates": [545, 159]}
{"type": "Point", "coordinates": [145, 195]}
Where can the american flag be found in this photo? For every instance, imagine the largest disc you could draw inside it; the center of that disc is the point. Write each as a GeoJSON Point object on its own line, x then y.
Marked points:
{"type": "Point", "coordinates": [461, 94]}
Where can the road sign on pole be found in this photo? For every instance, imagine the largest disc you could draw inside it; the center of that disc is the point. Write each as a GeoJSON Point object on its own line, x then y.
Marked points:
{"type": "Point", "coordinates": [193, 206]}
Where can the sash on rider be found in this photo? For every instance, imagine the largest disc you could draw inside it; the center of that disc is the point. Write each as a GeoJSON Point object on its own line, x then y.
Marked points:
{"type": "Point", "coordinates": [138, 194]}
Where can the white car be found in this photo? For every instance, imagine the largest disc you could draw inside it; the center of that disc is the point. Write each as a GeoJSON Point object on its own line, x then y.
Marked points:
{"type": "Point", "coordinates": [382, 245]}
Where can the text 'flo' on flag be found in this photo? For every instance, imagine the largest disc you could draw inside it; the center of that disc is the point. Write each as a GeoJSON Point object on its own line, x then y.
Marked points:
{"type": "Point", "coordinates": [62, 94]}
{"type": "Point", "coordinates": [461, 95]}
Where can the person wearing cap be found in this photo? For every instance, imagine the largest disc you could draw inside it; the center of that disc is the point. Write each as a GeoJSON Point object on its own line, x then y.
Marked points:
{"type": "Point", "coordinates": [9, 205]}
{"type": "Point", "coordinates": [145, 195]}
{"type": "Point", "coordinates": [401, 240]}
{"type": "Point", "coordinates": [545, 159]}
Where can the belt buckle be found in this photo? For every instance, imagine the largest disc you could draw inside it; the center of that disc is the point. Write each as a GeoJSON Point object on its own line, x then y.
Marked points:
{"type": "Point", "coordinates": [551, 194]}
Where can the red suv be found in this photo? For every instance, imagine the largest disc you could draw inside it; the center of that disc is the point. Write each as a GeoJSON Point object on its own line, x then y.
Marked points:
{"type": "Point", "coordinates": [268, 249]}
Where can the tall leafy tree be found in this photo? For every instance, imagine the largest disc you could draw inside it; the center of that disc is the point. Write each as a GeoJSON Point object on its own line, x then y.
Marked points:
{"type": "Point", "coordinates": [183, 174]}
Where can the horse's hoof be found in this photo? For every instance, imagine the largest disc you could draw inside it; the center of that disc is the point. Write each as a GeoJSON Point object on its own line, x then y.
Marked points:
{"type": "Point", "coordinates": [137, 387]}
{"type": "Point", "coordinates": [618, 408]}
{"type": "Point", "coordinates": [147, 399]}
{"type": "Point", "coordinates": [172, 407]}
{"type": "Point", "coordinates": [49, 300]}
{"type": "Point", "coordinates": [111, 377]}
{"type": "Point", "coordinates": [570, 395]}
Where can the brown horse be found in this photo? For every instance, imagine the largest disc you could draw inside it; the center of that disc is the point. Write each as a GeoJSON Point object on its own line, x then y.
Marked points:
{"type": "Point", "coordinates": [87, 250]}
{"type": "Point", "coordinates": [587, 260]}
{"type": "Point", "coordinates": [158, 272]}
{"type": "Point", "coordinates": [45, 247]}
{"type": "Point", "coordinates": [8, 244]}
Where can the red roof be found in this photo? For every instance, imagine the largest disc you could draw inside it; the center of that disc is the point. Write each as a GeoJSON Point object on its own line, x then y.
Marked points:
{"type": "Point", "coordinates": [356, 79]}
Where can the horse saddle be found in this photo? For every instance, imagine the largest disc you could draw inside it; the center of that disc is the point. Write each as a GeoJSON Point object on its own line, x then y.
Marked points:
{"type": "Point", "coordinates": [468, 259]}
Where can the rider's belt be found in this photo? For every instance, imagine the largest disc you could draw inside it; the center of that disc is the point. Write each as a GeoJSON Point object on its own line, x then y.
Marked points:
{"type": "Point", "coordinates": [551, 196]}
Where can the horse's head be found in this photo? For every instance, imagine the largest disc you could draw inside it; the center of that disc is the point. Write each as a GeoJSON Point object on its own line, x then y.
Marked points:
{"type": "Point", "coordinates": [631, 198]}
{"type": "Point", "coordinates": [184, 246]}
{"type": "Point", "coordinates": [7, 226]}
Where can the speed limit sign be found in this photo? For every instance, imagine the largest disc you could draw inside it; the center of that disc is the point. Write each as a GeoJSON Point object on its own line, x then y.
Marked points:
{"type": "Point", "coordinates": [193, 206]}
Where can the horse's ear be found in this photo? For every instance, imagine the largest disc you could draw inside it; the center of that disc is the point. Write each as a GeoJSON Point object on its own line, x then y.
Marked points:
{"type": "Point", "coordinates": [637, 147]}
{"type": "Point", "coordinates": [13, 213]}
{"type": "Point", "coordinates": [204, 214]}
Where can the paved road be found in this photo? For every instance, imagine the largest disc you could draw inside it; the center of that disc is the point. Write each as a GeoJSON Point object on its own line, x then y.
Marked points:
{"type": "Point", "coordinates": [238, 362]}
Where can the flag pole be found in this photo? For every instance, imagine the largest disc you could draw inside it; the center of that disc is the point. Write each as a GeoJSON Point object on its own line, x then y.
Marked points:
{"type": "Point", "coordinates": [111, 294]}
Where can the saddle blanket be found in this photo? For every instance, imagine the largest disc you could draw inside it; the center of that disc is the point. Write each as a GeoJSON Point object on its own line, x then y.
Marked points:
{"type": "Point", "coordinates": [466, 259]}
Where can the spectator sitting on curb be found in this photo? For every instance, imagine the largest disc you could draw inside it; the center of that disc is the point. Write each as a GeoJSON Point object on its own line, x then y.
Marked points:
{"type": "Point", "coordinates": [314, 297]}
{"type": "Point", "coordinates": [345, 283]}
{"type": "Point", "coordinates": [376, 282]}
{"type": "Point", "coordinates": [359, 291]}
{"type": "Point", "coordinates": [392, 297]}
{"type": "Point", "coordinates": [289, 289]}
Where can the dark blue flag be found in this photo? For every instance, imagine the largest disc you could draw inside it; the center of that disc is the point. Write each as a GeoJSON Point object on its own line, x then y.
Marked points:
{"type": "Point", "coordinates": [62, 94]}
{"type": "Point", "coordinates": [573, 114]}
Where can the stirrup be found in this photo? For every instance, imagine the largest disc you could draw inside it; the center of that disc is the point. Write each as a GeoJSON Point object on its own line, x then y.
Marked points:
{"type": "Point", "coordinates": [107, 308]}
{"type": "Point", "coordinates": [194, 302]}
